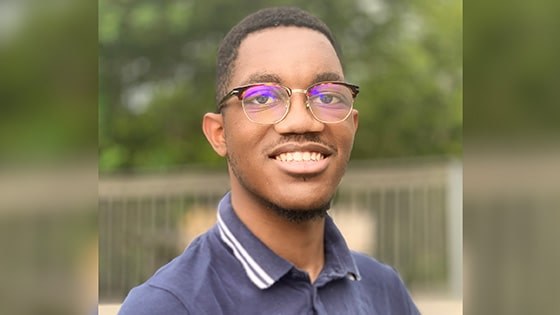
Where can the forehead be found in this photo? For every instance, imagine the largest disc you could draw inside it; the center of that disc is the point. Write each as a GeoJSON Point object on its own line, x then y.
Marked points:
{"type": "Point", "coordinates": [293, 56]}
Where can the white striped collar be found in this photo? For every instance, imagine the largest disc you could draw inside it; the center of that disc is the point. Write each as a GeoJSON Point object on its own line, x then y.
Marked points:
{"type": "Point", "coordinates": [262, 265]}
{"type": "Point", "coordinates": [254, 271]}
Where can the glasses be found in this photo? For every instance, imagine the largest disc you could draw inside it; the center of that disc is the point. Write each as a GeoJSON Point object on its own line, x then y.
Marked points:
{"type": "Point", "coordinates": [269, 103]}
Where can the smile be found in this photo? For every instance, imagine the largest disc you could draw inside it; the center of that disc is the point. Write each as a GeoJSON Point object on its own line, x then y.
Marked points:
{"type": "Point", "coordinates": [300, 156]}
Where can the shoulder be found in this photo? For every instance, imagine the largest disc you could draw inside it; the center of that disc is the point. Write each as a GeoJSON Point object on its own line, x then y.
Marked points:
{"type": "Point", "coordinates": [370, 268]}
{"type": "Point", "coordinates": [188, 267]}
{"type": "Point", "coordinates": [376, 273]}
{"type": "Point", "coordinates": [382, 280]}
{"type": "Point", "coordinates": [175, 286]}
{"type": "Point", "coordinates": [150, 300]}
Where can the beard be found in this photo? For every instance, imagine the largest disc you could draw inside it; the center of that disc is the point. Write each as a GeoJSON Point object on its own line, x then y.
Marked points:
{"type": "Point", "coordinates": [313, 212]}
{"type": "Point", "coordinates": [296, 216]}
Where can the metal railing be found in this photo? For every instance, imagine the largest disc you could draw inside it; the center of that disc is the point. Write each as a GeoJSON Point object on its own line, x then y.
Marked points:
{"type": "Point", "coordinates": [406, 214]}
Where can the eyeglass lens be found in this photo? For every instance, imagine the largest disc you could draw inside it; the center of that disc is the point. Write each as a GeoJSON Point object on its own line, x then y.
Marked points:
{"type": "Point", "coordinates": [328, 102]}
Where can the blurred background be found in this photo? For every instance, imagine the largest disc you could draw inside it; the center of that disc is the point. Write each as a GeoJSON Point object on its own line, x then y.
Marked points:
{"type": "Point", "coordinates": [48, 163]}
{"type": "Point", "coordinates": [52, 50]}
{"type": "Point", "coordinates": [511, 157]}
{"type": "Point", "coordinates": [160, 181]}
{"type": "Point", "coordinates": [51, 98]}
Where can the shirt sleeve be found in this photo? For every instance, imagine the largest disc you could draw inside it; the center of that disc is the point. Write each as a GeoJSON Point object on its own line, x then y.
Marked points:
{"type": "Point", "coordinates": [149, 300]}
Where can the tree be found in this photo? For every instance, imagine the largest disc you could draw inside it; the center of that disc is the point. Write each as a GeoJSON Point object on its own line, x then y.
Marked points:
{"type": "Point", "coordinates": [157, 76]}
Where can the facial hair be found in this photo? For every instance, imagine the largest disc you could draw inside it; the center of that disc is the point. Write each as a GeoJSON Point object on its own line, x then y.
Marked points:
{"type": "Point", "coordinates": [298, 216]}
{"type": "Point", "coordinates": [292, 215]}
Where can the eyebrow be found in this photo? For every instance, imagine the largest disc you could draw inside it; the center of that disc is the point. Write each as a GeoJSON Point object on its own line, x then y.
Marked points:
{"type": "Point", "coordinates": [327, 76]}
{"type": "Point", "coordinates": [261, 78]}
{"type": "Point", "coordinates": [273, 78]}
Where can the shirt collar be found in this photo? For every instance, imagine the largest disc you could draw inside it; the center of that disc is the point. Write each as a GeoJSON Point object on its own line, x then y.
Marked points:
{"type": "Point", "coordinates": [263, 266]}
{"type": "Point", "coordinates": [339, 261]}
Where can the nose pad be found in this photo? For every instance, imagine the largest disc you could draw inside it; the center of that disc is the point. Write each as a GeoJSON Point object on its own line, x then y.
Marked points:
{"type": "Point", "coordinates": [299, 118]}
{"type": "Point", "coordinates": [299, 106]}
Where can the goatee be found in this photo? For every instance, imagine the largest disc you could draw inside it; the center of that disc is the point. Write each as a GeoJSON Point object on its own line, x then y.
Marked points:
{"type": "Point", "coordinates": [298, 216]}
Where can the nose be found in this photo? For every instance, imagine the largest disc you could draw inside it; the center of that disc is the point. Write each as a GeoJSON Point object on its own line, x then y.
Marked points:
{"type": "Point", "coordinates": [299, 118]}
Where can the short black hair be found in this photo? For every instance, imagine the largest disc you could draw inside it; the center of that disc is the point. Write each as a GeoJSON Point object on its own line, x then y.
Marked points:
{"type": "Point", "coordinates": [262, 19]}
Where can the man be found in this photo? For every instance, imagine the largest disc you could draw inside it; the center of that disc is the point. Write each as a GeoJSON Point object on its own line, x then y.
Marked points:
{"type": "Point", "coordinates": [286, 125]}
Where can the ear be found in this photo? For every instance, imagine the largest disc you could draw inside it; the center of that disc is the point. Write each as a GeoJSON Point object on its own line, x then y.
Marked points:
{"type": "Point", "coordinates": [213, 128]}
{"type": "Point", "coordinates": [355, 119]}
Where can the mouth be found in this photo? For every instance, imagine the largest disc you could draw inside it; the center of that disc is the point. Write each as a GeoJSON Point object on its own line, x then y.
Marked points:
{"type": "Point", "coordinates": [300, 156]}
{"type": "Point", "coordinates": [302, 159]}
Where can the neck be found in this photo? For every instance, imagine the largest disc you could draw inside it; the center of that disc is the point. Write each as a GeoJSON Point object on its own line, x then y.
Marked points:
{"type": "Point", "coordinates": [301, 243]}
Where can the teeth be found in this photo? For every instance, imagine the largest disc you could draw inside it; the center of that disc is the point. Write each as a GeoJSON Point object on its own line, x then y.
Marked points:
{"type": "Point", "coordinates": [300, 156]}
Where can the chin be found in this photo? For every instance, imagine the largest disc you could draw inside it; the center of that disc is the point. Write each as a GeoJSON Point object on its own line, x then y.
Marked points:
{"type": "Point", "coordinates": [303, 204]}
{"type": "Point", "coordinates": [300, 213]}
{"type": "Point", "coordinates": [300, 196]}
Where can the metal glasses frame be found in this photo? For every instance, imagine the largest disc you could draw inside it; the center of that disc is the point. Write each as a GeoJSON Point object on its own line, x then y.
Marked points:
{"type": "Point", "coordinates": [238, 91]}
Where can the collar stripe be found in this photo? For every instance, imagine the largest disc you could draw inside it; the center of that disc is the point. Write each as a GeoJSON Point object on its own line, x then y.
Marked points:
{"type": "Point", "coordinates": [253, 270]}
{"type": "Point", "coordinates": [256, 280]}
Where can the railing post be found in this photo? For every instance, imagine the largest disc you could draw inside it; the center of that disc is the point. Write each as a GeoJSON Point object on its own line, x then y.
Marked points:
{"type": "Point", "coordinates": [455, 226]}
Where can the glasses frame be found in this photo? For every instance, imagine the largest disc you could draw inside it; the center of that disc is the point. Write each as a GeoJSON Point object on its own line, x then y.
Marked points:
{"type": "Point", "coordinates": [238, 92]}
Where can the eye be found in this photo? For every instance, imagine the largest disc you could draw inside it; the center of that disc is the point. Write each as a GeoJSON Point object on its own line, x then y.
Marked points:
{"type": "Point", "coordinates": [330, 95]}
{"type": "Point", "coordinates": [327, 98]}
{"type": "Point", "coordinates": [261, 95]}
{"type": "Point", "coordinates": [261, 99]}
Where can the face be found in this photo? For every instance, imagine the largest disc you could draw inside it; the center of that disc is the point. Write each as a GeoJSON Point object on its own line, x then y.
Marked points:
{"type": "Point", "coordinates": [297, 163]}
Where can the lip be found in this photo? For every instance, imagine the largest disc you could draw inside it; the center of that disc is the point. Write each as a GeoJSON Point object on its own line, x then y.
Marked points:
{"type": "Point", "coordinates": [302, 168]}
{"type": "Point", "coordinates": [309, 146]}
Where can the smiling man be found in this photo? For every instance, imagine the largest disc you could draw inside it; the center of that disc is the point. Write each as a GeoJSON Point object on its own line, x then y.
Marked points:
{"type": "Point", "coordinates": [286, 124]}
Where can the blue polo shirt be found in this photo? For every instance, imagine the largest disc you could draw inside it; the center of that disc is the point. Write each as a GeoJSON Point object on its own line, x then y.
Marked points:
{"type": "Point", "coordinates": [228, 270]}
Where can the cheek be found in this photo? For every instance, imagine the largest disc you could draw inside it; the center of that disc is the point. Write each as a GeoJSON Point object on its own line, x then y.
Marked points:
{"type": "Point", "coordinates": [241, 140]}
{"type": "Point", "coordinates": [346, 140]}
{"type": "Point", "coordinates": [350, 143]}
{"type": "Point", "coordinates": [232, 131]}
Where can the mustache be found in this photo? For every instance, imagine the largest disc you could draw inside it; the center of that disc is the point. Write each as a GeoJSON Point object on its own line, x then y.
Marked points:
{"type": "Point", "coordinates": [302, 138]}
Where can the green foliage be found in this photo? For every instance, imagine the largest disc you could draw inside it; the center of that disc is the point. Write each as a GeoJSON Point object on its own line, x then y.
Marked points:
{"type": "Point", "coordinates": [157, 65]}
{"type": "Point", "coordinates": [48, 82]}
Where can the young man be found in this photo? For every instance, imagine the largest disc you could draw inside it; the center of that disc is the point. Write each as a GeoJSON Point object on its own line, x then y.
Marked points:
{"type": "Point", "coordinates": [286, 126]}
